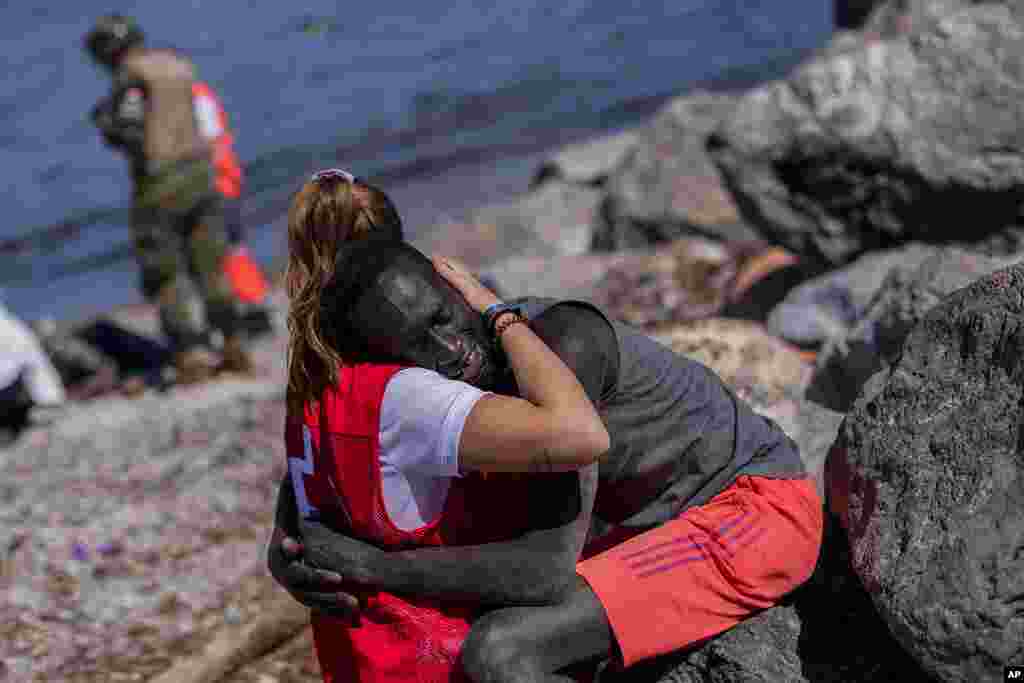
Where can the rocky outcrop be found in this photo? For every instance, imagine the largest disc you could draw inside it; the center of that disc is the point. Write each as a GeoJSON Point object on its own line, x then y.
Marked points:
{"type": "Point", "coordinates": [665, 186]}
{"type": "Point", "coordinates": [889, 142]}
{"type": "Point", "coordinates": [555, 218]}
{"type": "Point", "coordinates": [589, 162]}
{"type": "Point", "coordinates": [905, 296]}
{"type": "Point", "coordinates": [926, 477]}
{"type": "Point", "coordinates": [828, 306]}
{"type": "Point", "coordinates": [801, 640]}
{"type": "Point", "coordinates": [891, 18]}
{"type": "Point", "coordinates": [653, 280]}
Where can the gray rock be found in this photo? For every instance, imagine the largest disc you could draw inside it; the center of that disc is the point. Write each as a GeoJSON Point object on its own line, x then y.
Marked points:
{"type": "Point", "coordinates": [926, 477]}
{"type": "Point", "coordinates": [589, 162]}
{"type": "Point", "coordinates": [827, 631]}
{"type": "Point", "coordinates": [592, 276]}
{"type": "Point", "coordinates": [905, 295]}
{"type": "Point", "coordinates": [892, 18]}
{"type": "Point", "coordinates": [555, 218]}
{"type": "Point", "coordinates": [812, 427]}
{"type": "Point", "coordinates": [828, 306]}
{"type": "Point", "coordinates": [892, 142]}
{"type": "Point", "coordinates": [666, 187]}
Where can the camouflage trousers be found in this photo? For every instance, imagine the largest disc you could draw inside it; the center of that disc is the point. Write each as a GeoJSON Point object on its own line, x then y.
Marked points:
{"type": "Point", "coordinates": [180, 243]}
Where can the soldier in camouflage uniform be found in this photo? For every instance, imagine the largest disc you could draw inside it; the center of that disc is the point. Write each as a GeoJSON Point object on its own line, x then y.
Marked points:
{"type": "Point", "coordinates": [177, 221]}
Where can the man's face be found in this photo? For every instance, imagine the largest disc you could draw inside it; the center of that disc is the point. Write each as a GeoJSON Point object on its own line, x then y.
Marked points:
{"type": "Point", "coordinates": [411, 315]}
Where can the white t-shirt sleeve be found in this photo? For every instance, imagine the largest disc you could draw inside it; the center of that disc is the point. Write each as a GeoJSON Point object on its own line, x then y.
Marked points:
{"type": "Point", "coordinates": [421, 421]}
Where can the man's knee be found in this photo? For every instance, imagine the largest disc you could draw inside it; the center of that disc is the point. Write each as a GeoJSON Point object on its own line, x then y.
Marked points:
{"type": "Point", "coordinates": [493, 652]}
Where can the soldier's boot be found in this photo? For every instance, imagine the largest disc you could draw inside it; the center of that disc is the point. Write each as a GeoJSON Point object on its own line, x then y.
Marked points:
{"type": "Point", "coordinates": [235, 357]}
{"type": "Point", "coordinates": [194, 366]}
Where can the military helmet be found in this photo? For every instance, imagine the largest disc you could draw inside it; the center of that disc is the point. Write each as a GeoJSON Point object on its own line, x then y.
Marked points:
{"type": "Point", "coordinates": [112, 35]}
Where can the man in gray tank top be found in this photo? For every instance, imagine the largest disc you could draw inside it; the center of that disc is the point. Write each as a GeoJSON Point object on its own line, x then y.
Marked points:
{"type": "Point", "coordinates": [700, 514]}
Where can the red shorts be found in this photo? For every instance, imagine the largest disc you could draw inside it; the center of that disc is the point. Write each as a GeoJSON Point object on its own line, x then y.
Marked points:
{"type": "Point", "coordinates": [710, 568]}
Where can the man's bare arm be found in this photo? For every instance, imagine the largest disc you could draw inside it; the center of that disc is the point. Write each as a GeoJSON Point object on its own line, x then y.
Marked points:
{"type": "Point", "coordinates": [535, 568]}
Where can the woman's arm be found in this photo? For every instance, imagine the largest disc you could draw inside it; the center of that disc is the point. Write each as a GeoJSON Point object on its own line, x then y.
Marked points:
{"type": "Point", "coordinates": [539, 566]}
{"type": "Point", "coordinates": [552, 425]}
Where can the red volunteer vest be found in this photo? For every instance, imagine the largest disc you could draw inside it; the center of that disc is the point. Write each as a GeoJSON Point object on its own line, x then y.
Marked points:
{"type": "Point", "coordinates": [228, 180]}
{"type": "Point", "coordinates": [334, 461]}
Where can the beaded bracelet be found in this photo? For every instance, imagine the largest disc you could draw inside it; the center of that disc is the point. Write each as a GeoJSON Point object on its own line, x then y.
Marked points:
{"type": "Point", "coordinates": [506, 321]}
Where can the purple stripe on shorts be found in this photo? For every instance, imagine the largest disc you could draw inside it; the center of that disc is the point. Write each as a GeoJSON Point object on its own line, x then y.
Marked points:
{"type": "Point", "coordinates": [747, 542]}
{"type": "Point", "coordinates": [718, 538]}
{"type": "Point", "coordinates": [664, 544]}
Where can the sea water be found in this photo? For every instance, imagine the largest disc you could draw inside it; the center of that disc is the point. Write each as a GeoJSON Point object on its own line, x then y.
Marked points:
{"type": "Point", "coordinates": [447, 104]}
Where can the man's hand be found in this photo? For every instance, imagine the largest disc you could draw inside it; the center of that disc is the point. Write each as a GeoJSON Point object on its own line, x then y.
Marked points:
{"type": "Point", "coordinates": [350, 558]}
{"type": "Point", "coordinates": [476, 295]}
{"type": "Point", "coordinates": [315, 588]}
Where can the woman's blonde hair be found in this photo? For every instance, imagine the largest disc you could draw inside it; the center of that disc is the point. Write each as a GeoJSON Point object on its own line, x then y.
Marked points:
{"type": "Point", "coordinates": [330, 209]}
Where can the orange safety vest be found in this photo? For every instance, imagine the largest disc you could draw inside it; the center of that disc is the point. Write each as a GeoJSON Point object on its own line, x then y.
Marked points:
{"type": "Point", "coordinates": [333, 458]}
{"type": "Point", "coordinates": [228, 170]}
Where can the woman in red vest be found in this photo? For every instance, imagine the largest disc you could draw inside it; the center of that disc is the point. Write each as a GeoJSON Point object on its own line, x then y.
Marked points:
{"type": "Point", "coordinates": [397, 454]}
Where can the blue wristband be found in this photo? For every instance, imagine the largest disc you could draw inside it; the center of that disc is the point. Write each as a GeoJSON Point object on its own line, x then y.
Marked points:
{"type": "Point", "coordinates": [490, 309]}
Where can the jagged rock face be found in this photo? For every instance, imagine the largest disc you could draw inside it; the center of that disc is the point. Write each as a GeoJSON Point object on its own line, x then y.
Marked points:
{"type": "Point", "coordinates": [905, 296]}
{"type": "Point", "coordinates": [586, 163]}
{"type": "Point", "coordinates": [927, 477]}
{"type": "Point", "coordinates": [827, 307]}
{"type": "Point", "coordinates": [890, 142]}
{"type": "Point", "coordinates": [666, 187]}
{"type": "Point", "coordinates": [552, 219]}
{"type": "Point", "coordinates": [897, 17]}
{"type": "Point", "coordinates": [827, 631]}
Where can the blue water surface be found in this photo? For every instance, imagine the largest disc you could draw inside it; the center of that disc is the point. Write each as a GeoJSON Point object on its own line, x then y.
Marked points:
{"type": "Point", "coordinates": [419, 96]}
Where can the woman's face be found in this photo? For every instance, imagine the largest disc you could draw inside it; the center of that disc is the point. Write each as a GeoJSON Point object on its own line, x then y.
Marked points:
{"type": "Point", "coordinates": [411, 315]}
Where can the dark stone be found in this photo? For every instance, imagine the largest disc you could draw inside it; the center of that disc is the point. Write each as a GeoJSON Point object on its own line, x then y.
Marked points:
{"type": "Point", "coordinates": [926, 477]}
{"type": "Point", "coordinates": [903, 299]}
{"type": "Point", "coordinates": [828, 306]}
{"type": "Point", "coordinates": [851, 14]}
{"type": "Point", "coordinates": [887, 142]}
{"type": "Point", "coordinates": [827, 631]}
{"type": "Point", "coordinates": [666, 187]}
{"type": "Point", "coordinates": [586, 163]}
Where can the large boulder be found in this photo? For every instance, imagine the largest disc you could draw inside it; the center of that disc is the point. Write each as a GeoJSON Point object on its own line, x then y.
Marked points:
{"type": "Point", "coordinates": [888, 142]}
{"type": "Point", "coordinates": [682, 280]}
{"type": "Point", "coordinates": [589, 162]}
{"type": "Point", "coordinates": [891, 18]}
{"type": "Point", "coordinates": [555, 218]}
{"type": "Point", "coordinates": [666, 187]}
{"type": "Point", "coordinates": [828, 306]}
{"type": "Point", "coordinates": [827, 631]}
{"type": "Point", "coordinates": [905, 296]}
{"type": "Point", "coordinates": [927, 478]}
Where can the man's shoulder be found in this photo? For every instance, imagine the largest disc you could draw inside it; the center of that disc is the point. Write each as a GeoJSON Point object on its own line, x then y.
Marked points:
{"type": "Point", "coordinates": [571, 319]}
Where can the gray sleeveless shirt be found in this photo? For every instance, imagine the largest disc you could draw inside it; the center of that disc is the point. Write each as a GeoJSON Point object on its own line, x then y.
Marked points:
{"type": "Point", "coordinates": [679, 436]}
